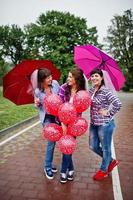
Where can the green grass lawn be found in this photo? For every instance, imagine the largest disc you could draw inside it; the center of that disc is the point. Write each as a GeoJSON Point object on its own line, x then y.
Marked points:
{"type": "Point", "coordinates": [11, 114]}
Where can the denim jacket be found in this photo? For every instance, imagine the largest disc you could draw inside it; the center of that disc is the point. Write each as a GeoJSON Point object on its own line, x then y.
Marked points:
{"type": "Point", "coordinates": [41, 95]}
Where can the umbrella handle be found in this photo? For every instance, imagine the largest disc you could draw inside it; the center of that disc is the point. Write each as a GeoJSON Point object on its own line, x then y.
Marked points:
{"type": "Point", "coordinates": [108, 83]}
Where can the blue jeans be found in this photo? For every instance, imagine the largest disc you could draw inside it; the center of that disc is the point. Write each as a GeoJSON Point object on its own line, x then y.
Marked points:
{"type": "Point", "coordinates": [67, 163]}
{"type": "Point", "coordinates": [100, 140]}
{"type": "Point", "coordinates": [50, 145]}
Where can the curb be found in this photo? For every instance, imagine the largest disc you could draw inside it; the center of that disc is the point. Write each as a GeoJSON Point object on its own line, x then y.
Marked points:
{"type": "Point", "coordinates": [12, 128]}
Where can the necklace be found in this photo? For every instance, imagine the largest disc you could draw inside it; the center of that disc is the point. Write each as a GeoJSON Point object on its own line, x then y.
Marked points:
{"type": "Point", "coordinates": [73, 91]}
{"type": "Point", "coordinates": [47, 90]}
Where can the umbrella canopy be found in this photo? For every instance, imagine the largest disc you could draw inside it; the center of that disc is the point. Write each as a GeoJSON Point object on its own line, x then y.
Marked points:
{"type": "Point", "coordinates": [17, 81]}
{"type": "Point", "coordinates": [89, 57]}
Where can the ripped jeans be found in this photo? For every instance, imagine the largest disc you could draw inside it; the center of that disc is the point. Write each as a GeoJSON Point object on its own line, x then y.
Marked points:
{"type": "Point", "coordinates": [100, 140]}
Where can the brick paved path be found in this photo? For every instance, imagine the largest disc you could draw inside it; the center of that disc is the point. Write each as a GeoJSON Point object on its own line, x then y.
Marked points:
{"type": "Point", "coordinates": [21, 166]}
{"type": "Point", "coordinates": [124, 145]}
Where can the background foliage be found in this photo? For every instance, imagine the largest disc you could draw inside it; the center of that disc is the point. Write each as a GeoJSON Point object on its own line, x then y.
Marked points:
{"type": "Point", "coordinates": [119, 43]}
{"type": "Point", "coordinates": [53, 36]}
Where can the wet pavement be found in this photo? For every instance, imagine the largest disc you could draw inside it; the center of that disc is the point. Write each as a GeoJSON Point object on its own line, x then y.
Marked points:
{"type": "Point", "coordinates": [21, 165]}
{"type": "Point", "coordinates": [124, 145]}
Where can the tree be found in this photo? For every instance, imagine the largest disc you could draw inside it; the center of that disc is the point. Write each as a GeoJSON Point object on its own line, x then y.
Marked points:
{"type": "Point", "coordinates": [4, 68]}
{"type": "Point", "coordinates": [54, 36]}
{"type": "Point", "coordinates": [11, 43]}
{"type": "Point", "coordinates": [120, 44]}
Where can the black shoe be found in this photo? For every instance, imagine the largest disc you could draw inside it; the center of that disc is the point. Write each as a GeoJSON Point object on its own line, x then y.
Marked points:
{"type": "Point", "coordinates": [70, 175]}
{"type": "Point", "coordinates": [49, 173]}
{"type": "Point", "coordinates": [54, 169]}
{"type": "Point", "coordinates": [63, 178]}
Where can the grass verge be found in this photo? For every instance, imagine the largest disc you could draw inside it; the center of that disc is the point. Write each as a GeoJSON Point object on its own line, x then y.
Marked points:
{"type": "Point", "coordinates": [11, 114]}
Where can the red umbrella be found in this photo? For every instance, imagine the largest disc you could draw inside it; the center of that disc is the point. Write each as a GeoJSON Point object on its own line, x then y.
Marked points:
{"type": "Point", "coordinates": [16, 82]}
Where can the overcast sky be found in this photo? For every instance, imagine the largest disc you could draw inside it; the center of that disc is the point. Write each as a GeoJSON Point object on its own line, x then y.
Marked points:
{"type": "Point", "coordinates": [97, 12]}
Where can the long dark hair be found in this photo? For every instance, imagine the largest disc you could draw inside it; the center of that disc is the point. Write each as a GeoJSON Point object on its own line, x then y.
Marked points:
{"type": "Point", "coordinates": [98, 71]}
{"type": "Point", "coordinates": [79, 79]}
{"type": "Point", "coordinates": [43, 73]}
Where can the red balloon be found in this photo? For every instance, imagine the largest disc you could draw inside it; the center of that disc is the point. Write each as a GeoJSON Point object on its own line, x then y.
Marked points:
{"type": "Point", "coordinates": [52, 132]}
{"type": "Point", "coordinates": [67, 113]}
{"type": "Point", "coordinates": [78, 127]}
{"type": "Point", "coordinates": [81, 101]}
{"type": "Point", "coordinates": [67, 144]}
{"type": "Point", "coordinates": [52, 103]}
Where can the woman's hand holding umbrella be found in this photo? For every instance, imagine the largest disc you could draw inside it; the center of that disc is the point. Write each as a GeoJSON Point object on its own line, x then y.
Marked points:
{"type": "Point", "coordinates": [37, 102]}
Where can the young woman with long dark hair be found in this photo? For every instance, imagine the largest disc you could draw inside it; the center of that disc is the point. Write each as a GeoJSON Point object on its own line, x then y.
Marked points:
{"type": "Point", "coordinates": [75, 82]}
{"type": "Point", "coordinates": [46, 85]}
{"type": "Point", "coordinates": [105, 104]}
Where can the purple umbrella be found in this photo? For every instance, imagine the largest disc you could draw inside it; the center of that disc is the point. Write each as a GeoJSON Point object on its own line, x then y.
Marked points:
{"type": "Point", "coordinates": [89, 57]}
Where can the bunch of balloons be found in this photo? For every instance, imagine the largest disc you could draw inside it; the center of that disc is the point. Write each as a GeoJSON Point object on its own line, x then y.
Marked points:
{"type": "Point", "coordinates": [69, 114]}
